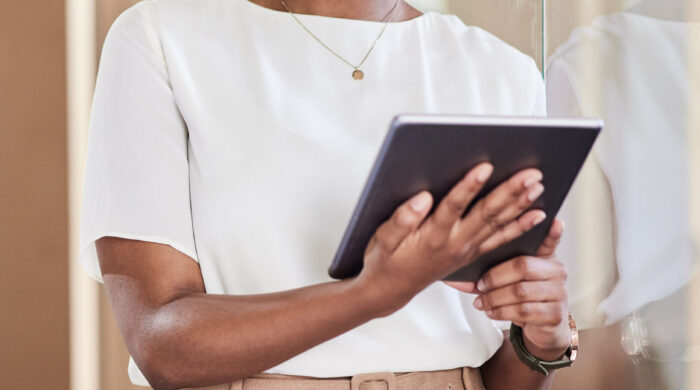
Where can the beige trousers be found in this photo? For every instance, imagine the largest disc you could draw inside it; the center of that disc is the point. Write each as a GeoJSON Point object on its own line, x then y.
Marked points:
{"type": "Point", "coordinates": [466, 378]}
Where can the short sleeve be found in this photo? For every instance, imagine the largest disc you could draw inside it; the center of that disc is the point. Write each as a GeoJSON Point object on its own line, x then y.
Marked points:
{"type": "Point", "coordinates": [137, 172]}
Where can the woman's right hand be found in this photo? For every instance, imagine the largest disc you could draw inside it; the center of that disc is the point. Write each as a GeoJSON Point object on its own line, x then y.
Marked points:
{"type": "Point", "coordinates": [413, 249]}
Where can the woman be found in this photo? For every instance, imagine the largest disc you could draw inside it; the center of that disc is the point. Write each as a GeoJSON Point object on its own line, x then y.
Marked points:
{"type": "Point", "coordinates": [229, 140]}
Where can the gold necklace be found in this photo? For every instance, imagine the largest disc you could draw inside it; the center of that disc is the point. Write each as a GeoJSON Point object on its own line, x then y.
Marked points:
{"type": "Point", "coordinates": [357, 74]}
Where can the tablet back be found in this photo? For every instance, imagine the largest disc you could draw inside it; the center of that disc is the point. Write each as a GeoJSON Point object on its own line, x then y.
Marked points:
{"type": "Point", "coordinates": [433, 152]}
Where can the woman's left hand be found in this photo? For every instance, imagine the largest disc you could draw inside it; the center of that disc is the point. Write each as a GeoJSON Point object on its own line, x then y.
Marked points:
{"type": "Point", "coordinates": [531, 292]}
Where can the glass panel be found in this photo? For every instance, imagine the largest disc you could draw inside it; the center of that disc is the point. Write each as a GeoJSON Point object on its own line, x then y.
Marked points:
{"type": "Point", "coordinates": [631, 243]}
{"type": "Point", "coordinates": [517, 22]}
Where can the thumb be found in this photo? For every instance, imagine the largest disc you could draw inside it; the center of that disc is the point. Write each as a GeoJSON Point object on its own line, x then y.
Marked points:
{"type": "Point", "coordinates": [467, 287]}
{"type": "Point", "coordinates": [405, 219]}
{"type": "Point", "coordinates": [550, 243]}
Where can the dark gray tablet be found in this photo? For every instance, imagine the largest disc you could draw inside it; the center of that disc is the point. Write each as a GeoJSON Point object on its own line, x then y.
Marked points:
{"type": "Point", "coordinates": [433, 152]}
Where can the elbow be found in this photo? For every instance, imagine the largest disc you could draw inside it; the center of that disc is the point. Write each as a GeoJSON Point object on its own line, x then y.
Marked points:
{"type": "Point", "coordinates": [169, 348]}
{"type": "Point", "coordinates": [169, 364]}
{"type": "Point", "coordinates": [160, 371]}
{"type": "Point", "coordinates": [160, 351]}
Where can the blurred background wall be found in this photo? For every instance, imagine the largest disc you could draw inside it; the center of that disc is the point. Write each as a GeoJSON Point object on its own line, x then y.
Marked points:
{"type": "Point", "coordinates": [60, 332]}
{"type": "Point", "coordinates": [34, 325]}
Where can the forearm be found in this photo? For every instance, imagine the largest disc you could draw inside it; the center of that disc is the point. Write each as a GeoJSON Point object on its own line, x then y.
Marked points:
{"type": "Point", "coordinates": [201, 339]}
{"type": "Point", "coordinates": [181, 337]}
{"type": "Point", "coordinates": [505, 371]}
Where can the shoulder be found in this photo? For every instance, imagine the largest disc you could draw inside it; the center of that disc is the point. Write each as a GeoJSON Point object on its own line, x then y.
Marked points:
{"type": "Point", "coordinates": [486, 52]}
{"type": "Point", "coordinates": [605, 35]}
{"type": "Point", "coordinates": [480, 44]}
{"type": "Point", "coordinates": [153, 24]}
{"type": "Point", "coordinates": [133, 18]}
{"type": "Point", "coordinates": [601, 42]}
{"type": "Point", "coordinates": [170, 12]}
{"type": "Point", "coordinates": [497, 66]}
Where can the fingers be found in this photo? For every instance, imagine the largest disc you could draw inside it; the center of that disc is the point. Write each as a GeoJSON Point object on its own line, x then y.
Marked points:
{"type": "Point", "coordinates": [513, 230]}
{"type": "Point", "coordinates": [525, 290]}
{"type": "Point", "coordinates": [516, 293]}
{"type": "Point", "coordinates": [453, 205]}
{"type": "Point", "coordinates": [502, 205]}
{"type": "Point", "coordinates": [522, 268]}
{"type": "Point", "coordinates": [467, 287]}
{"type": "Point", "coordinates": [406, 219]}
{"type": "Point", "coordinates": [535, 313]}
{"type": "Point", "coordinates": [550, 243]}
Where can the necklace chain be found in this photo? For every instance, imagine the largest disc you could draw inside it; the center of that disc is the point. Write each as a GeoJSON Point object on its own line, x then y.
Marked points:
{"type": "Point", "coordinates": [357, 74]}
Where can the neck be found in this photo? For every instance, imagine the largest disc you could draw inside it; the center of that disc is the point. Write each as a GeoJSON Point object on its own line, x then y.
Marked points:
{"type": "Point", "coordinates": [373, 10]}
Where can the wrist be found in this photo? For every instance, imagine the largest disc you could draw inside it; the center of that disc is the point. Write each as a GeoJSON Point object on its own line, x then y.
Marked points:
{"type": "Point", "coordinates": [549, 353]}
{"type": "Point", "coordinates": [380, 297]}
{"type": "Point", "coordinates": [544, 359]}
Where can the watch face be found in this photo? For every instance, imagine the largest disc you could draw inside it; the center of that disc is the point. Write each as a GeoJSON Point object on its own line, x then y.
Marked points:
{"type": "Point", "coordinates": [634, 336]}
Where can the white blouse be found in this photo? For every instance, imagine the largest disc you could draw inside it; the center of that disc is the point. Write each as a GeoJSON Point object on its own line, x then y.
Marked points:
{"type": "Point", "coordinates": [221, 128]}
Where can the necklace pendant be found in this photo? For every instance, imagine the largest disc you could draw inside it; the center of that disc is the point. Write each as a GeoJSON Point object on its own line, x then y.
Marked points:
{"type": "Point", "coordinates": [358, 74]}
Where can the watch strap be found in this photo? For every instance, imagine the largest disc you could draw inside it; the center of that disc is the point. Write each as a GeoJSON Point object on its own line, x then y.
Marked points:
{"type": "Point", "coordinates": [535, 364]}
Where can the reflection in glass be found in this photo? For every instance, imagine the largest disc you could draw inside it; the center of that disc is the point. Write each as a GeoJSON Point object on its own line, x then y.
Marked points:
{"type": "Point", "coordinates": [630, 248]}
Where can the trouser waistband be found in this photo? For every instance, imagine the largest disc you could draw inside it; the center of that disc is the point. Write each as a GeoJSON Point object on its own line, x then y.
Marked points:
{"type": "Point", "coordinates": [465, 378]}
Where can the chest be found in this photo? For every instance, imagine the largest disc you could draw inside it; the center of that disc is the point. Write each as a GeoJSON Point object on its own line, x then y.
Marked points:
{"type": "Point", "coordinates": [281, 141]}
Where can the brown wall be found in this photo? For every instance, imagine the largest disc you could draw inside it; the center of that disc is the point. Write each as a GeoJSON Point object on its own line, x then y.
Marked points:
{"type": "Point", "coordinates": [33, 197]}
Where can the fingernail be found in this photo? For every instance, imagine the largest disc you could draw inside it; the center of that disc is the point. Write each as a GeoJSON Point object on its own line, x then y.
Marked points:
{"type": "Point", "coordinates": [535, 193]}
{"type": "Point", "coordinates": [481, 286]}
{"type": "Point", "coordinates": [484, 173]}
{"type": "Point", "coordinates": [489, 313]}
{"type": "Point", "coordinates": [533, 179]}
{"type": "Point", "coordinates": [420, 201]}
{"type": "Point", "coordinates": [478, 304]}
{"type": "Point", "coordinates": [539, 218]}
